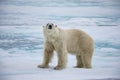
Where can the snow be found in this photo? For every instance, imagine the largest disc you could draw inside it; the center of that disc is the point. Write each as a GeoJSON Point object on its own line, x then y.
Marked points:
{"type": "Point", "coordinates": [25, 67]}
{"type": "Point", "coordinates": [22, 41]}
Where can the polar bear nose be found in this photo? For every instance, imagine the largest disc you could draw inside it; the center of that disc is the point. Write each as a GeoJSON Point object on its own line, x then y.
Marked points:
{"type": "Point", "coordinates": [50, 27]}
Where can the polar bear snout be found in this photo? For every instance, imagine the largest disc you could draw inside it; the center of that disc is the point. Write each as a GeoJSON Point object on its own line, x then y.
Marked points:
{"type": "Point", "coordinates": [50, 27]}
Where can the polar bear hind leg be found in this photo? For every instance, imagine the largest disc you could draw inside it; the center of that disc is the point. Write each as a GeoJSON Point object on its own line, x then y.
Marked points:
{"type": "Point", "coordinates": [84, 61]}
{"type": "Point", "coordinates": [79, 62]}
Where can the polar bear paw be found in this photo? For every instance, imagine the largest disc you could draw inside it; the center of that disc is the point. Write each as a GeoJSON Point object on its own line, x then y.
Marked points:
{"type": "Point", "coordinates": [59, 68]}
{"type": "Point", "coordinates": [42, 66]}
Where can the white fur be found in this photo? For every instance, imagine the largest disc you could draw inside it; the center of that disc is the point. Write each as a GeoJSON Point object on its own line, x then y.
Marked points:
{"type": "Point", "coordinates": [72, 41]}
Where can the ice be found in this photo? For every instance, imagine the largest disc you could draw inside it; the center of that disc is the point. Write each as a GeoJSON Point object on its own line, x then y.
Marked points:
{"type": "Point", "coordinates": [19, 63]}
{"type": "Point", "coordinates": [22, 41]}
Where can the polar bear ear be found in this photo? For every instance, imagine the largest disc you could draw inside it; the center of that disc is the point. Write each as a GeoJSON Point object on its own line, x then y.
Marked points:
{"type": "Point", "coordinates": [43, 26]}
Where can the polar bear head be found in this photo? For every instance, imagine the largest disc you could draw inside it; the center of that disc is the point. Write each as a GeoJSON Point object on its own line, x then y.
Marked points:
{"type": "Point", "coordinates": [50, 29]}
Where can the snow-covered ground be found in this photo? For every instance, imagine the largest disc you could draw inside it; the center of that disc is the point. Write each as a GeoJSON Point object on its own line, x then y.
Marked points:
{"type": "Point", "coordinates": [21, 52]}
{"type": "Point", "coordinates": [21, 38]}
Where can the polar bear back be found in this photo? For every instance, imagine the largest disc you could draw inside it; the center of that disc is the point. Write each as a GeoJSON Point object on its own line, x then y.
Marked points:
{"type": "Point", "coordinates": [77, 41]}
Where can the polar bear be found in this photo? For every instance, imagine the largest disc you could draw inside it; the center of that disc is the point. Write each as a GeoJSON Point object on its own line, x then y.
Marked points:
{"type": "Point", "coordinates": [72, 41]}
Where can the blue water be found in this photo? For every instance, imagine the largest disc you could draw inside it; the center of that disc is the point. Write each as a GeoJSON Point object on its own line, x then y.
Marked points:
{"type": "Point", "coordinates": [22, 14]}
{"type": "Point", "coordinates": [21, 22]}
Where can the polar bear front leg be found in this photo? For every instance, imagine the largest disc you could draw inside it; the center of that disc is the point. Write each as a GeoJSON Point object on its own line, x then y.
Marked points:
{"type": "Point", "coordinates": [62, 59]}
{"type": "Point", "coordinates": [48, 54]}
